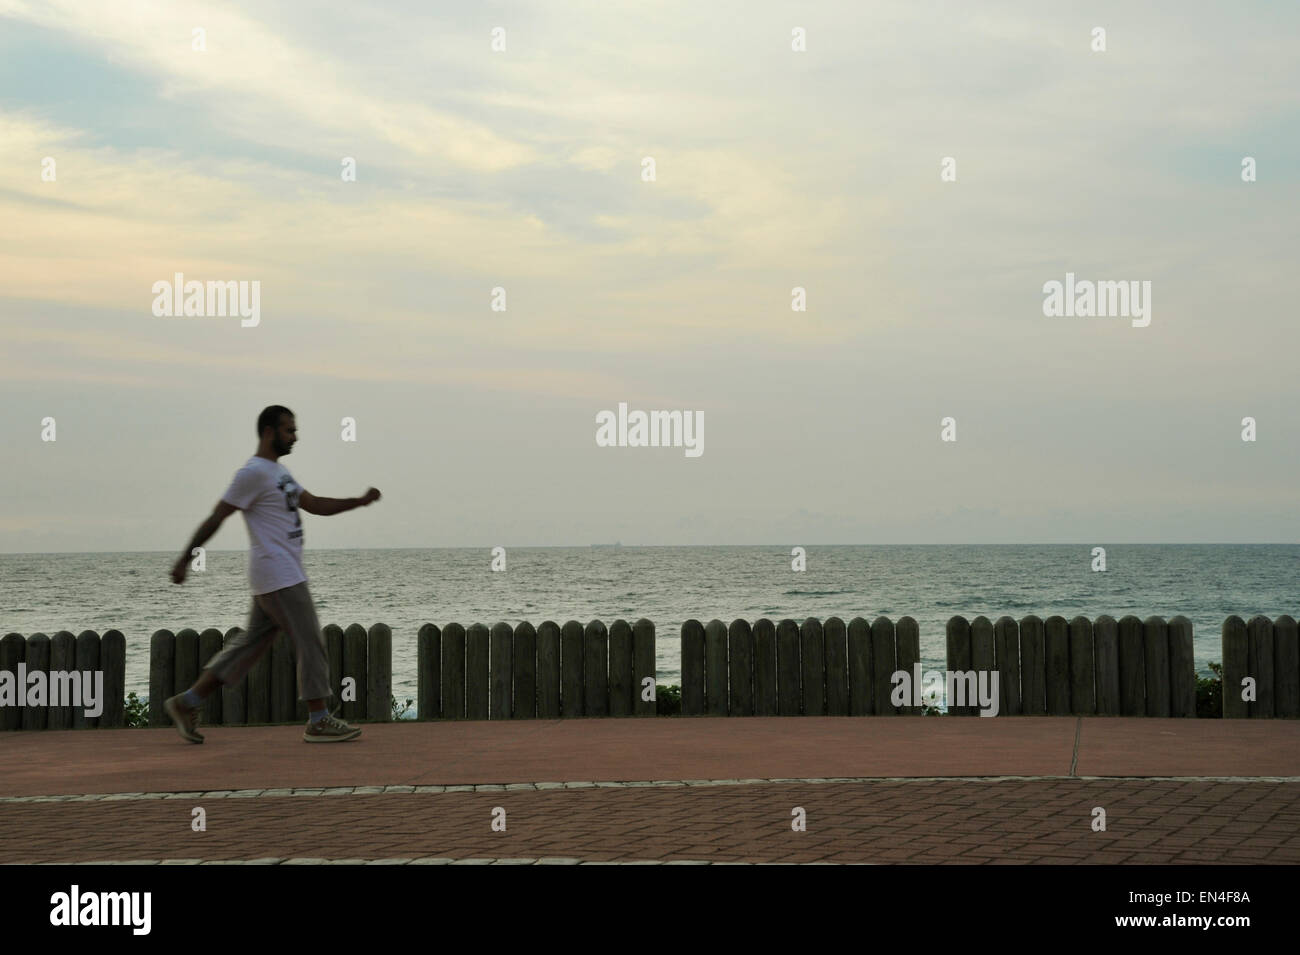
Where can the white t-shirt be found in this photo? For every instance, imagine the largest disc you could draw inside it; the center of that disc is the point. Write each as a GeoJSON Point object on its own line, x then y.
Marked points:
{"type": "Point", "coordinates": [268, 495]}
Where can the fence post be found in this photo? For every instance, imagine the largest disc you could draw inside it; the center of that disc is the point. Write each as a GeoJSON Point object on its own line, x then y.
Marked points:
{"type": "Point", "coordinates": [907, 643]}
{"type": "Point", "coordinates": [501, 671]}
{"type": "Point", "coordinates": [692, 668]}
{"type": "Point", "coordinates": [957, 645]}
{"type": "Point", "coordinates": [1155, 651]}
{"type": "Point", "coordinates": [1259, 664]}
{"type": "Point", "coordinates": [1132, 667]}
{"type": "Point", "coordinates": [453, 672]}
{"type": "Point", "coordinates": [379, 673]}
{"type": "Point", "coordinates": [983, 658]}
{"type": "Point", "coordinates": [162, 674]}
{"type": "Point", "coordinates": [333, 635]}
{"type": "Point", "coordinates": [213, 709]}
{"type": "Point", "coordinates": [884, 660]}
{"type": "Point", "coordinates": [765, 678]}
{"type": "Point", "coordinates": [836, 641]}
{"type": "Point", "coordinates": [789, 695]}
{"type": "Point", "coordinates": [548, 670]}
{"type": "Point", "coordinates": [13, 651]}
{"type": "Point", "coordinates": [356, 666]}
{"type": "Point", "coordinates": [112, 654]}
{"type": "Point", "coordinates": [1286, 667]}
{"type": "Point", "coordinates": [37, 657]}
{"type": "Point", "coordinates": [572, 669]}
{"type": "Point", "coordinates": [595, 650]}
{"type": "Point", "coordinates": [715, 668]}
{"type": "Point", "coordinates": [476, 672]}
{"type": "Point", "coordinates": [740, 668]}
{"type": "Point", "coordinates": [86, 654]}
{"type": "Point", "coordinates": [1006, 646]}
{"type": "Point", "coordinates": [1236, 663]}
{"type": "Point", "coordinates": [1105, 641]}
{"type": "Point", "coordinates": [643, 663]}
{"type": "Point", "coordinates": [63, 656]}
{"type": "Point", "coordinates": [620, 668]}
{"type": "Point", "coordinates": [1056, 665]}
{"type": "Point", "coordinates": [595, 656]}
{"type": "Point", "coordinates": [1083, 668]}
{"type": "Point", "coordinates": [1182, 668]}
{"type": "Point", "coordinates": [812, 660]}
{"type": "Point", "coordinates": [523, 690]}
{"type": "Point", "coordinates": [860, 675]}
{"type": "Point", "coordinates": [428, 665]}
{"type": "Point", "coordinates": [1033, 667]}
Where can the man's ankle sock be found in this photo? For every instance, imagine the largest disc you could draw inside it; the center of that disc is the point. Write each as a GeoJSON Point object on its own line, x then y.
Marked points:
{"type": "Point", "coordinates": [318, 715]}
{"type": "Point", "coordinates": [191, 699]}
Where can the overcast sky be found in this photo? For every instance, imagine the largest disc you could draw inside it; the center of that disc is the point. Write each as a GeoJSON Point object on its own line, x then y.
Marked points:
{"type": "Point", "coordinates": [523, 169]}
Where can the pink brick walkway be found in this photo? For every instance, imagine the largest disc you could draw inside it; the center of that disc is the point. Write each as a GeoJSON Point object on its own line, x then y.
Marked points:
{"type": "Point", "coordinates": [893, 811]}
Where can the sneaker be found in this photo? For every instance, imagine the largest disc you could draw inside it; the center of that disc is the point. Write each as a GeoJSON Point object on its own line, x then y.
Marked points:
{"type": "Point", "coordinates": [330, 730]}
{"type": "Point", "coordinates": [186, 718]}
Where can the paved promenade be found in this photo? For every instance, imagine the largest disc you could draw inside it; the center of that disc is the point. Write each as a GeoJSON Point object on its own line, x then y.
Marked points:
{"type": "Point", "coordinates": [875, 790]}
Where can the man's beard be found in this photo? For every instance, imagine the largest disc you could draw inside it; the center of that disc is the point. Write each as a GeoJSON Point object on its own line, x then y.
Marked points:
{"type": "Point", "coordinates": [281, 447]}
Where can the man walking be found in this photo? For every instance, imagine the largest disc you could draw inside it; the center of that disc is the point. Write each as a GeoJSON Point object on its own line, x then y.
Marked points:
{"type": "Point", "coordinates": [269, 497]}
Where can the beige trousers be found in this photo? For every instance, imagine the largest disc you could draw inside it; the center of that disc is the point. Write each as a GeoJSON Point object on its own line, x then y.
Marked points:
{"type": "Point", "coordinates": [289, 610]}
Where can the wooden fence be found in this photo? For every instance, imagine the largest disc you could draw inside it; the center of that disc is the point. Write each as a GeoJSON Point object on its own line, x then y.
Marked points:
{"type": "Point", "coordinates": [86, 653]}
{"type": "Point", "coordinates": [269, 691]}
{"type": "Point", "coordinates": [1267, 652]}
{"type": "Point", "coordinates": [1056, 667]}
{"type": "Point", "coordinates": [1128, 667]}
{"type": "Point", "coordinates": [1104, 667]}
{"type": "Point", "coordinates": [788, 669]}
{"type": "Point", "coordinates": [549, 672]}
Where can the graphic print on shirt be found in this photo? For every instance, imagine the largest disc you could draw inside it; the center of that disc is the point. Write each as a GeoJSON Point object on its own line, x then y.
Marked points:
{"type": "Point", "coordinates": [290, 489]}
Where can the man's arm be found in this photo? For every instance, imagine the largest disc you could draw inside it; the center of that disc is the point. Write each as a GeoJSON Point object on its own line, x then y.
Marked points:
{"type": "Point", "coordinates": [206, 530]}
{"type": "Point", "coordinates": [325, 506]}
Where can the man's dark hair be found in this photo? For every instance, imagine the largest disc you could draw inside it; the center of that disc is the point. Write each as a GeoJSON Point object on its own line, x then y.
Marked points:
{"type": "Point", "coordinates": [270, 418]}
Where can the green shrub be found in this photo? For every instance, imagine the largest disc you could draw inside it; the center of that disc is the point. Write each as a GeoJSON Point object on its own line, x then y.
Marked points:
{"type": "Point", "coordinates": [397, 709]}
{"type": "Point", "coordinates": [668, 700]}
{"type": "Point", "coordinates": [1209, 693]}
{"type": "Point", "coordinates": [136, 710]}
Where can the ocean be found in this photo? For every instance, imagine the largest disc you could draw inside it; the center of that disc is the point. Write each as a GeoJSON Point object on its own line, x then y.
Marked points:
{"type": "Point", "coordinates": [408, 588]}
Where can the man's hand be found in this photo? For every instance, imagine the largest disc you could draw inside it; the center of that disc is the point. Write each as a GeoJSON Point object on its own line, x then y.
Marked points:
{"type": "Point", "coordinates": [206, 530]}
{"type": "Point", "coordinates": [370, 496]}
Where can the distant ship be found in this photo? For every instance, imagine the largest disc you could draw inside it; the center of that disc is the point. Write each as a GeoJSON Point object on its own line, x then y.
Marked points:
{"type": "Point", "coordinates": [615, 544]}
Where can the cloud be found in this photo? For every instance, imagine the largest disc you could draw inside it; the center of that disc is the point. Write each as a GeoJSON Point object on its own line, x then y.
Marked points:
{"type": "Point", "coordinates": [774, 170]}
{"type": "Point", "coordinates": [261, 85]}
